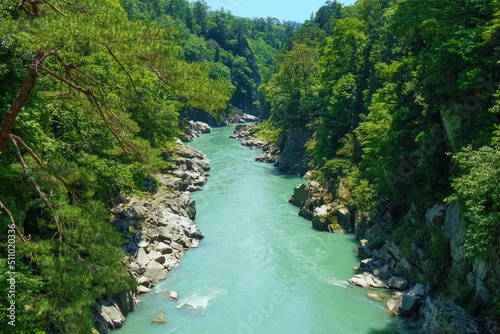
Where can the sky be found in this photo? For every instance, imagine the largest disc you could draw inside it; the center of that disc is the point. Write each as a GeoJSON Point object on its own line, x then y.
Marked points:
{"type": "Point", "coordinates": [288, 10]}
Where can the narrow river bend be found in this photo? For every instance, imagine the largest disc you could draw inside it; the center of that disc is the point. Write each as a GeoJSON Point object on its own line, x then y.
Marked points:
{"type": "Point", "coordinates": [261, 268]}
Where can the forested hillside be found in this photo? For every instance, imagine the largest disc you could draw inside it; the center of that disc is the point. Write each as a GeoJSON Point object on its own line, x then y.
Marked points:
{"type": "Point", "coordinates": [238, 50]}
{"type": "Point", "coordinates": [392, 102]}
{"type": "Point", "coordinates": [399, 100]}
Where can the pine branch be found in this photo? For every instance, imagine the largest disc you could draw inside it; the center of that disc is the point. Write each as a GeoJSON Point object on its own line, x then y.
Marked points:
{"type": "Point", "coordinates": [130, 77]}
{"type": "Point", "coordinates": [94, 101]}
{"type": "Point", "coordinates": [70, 190]}
{"type": "Point", "coordinates": [37, 187]}
{"type": "Point", "coordinates": [23, 238]}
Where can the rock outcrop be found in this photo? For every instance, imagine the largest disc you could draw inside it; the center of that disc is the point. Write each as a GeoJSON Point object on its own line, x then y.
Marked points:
{"type": "Point", "coordinates": [193, 130]}
{"type": "Point", "coordinates": [246, 135]}
{"type": "Point", "coordinates": [293, 151]}
{"type": "Point", "coordinates": [160, 229]}
{"type": "Point", "coordinates": [241, 118]}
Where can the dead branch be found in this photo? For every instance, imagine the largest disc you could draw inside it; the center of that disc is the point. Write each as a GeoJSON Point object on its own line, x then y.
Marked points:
{"type": "Point", "coordinates": [23, 238]}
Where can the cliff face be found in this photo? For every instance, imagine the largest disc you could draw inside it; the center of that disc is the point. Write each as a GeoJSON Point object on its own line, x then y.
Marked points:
{"type": "Point", "coordinates": [288, 154]}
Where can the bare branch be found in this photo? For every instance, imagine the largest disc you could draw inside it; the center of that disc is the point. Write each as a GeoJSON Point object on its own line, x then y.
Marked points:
{"type": "Point", "coordinates": [57, 10]}
{"type": "Point", "coordinates": [37, 188]}
{"type": "Point", "coordinates": [23, 238]}
{"type": "Point", "coordinates": [94, 101]}
{"type": "Point", "coordinates": [130, 77]}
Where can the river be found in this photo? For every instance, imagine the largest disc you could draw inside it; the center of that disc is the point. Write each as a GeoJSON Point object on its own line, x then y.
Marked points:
{"type": "Point", "coordinates": [261, 268]}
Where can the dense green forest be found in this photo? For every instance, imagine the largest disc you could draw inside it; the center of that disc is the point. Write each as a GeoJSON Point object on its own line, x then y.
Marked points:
{"type": "Point", "coordinates": [400, 100]}
{"type": "Point", "coordinates": [399, 97]}
{"type": "Point", "coordinates": [91, 93]}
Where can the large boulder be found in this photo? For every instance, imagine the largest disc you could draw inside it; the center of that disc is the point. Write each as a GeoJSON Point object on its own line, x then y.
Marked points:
{"type": "Point", "coordinates": [398, 283]}
{"type": "Point", "coordinates": [403, 304]}
{"type": "Point", "coordinates": [292, 152]}
{"type": "Point", "coordinates": [409, 304]}
{"type": "Point", "coordinates": [299, 196]}
{"type": "Point", "coordinates": [125, 302]}
{"type": "Point", "coordinates": [110, 312]}
{"type": "Point", "coordinates": [367, 279]}
{"type": "Point", "coordinates": [202, 127]}
{"type": "Point", "coordinates": [155, 272]}
{"type": "Point", "coordinates": [142, 258]}
{"type": "Point", "coordinates": [332, 218]}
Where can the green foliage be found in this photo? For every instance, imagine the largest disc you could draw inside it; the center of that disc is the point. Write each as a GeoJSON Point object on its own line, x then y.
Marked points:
{"type": "Point", "coordinates": [28, 286]}
{"type": "Point", "coordinates": [268, 132]}
{"type": "Point", "coordinates": [478, 190]}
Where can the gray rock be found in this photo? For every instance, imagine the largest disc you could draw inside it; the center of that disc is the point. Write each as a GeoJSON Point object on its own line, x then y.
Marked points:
{"type": "Point", "coordinates": [173, 295]}
{"type": "Point", "coordinates": [144, 281]}
{"type": "Point", "coordinates": [332, 218]}
{"type": "Point", "coordinates": [154, 255]}
{"type": "Point", "coordinates": [358, 280]}
{"type": "Point", "coordinates": [142, 258]}
{"type": "Point", "coordinates": [155, 272]}
{"type": "Point", "coordinates": [364, 252]}
{"type": "Point", "coordinates": [383, 272]}
{"type": "Point", "coordinates": [418, 290]}
{"type": "Point", "coordinates": [126, 302]}
{"type": "Point", "coordinates": [163, 248]}
{"type": "Point", "coordinates": [374, 296]}
{"type": "Point", "coordinates": [398, 283]}
{"type": "Point", "coordinates": [160, 319]}
{"type": "Point", "coordinates": [178, 247]}
{"type": "Point", "coordinates": [392, 306]}
{"type": "Point", "coordinates": [409, 304]}
{"type": "Point", "coordinates": [299, 196]}
{"type": "Point", "coordinates": [110, 312]}
{"type": "Point", "coordinates": [365, 263]}
{"type": "Point", "coordinates": [367, 279]}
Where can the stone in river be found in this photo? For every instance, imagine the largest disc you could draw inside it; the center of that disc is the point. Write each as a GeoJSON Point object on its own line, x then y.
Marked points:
{"type": "Point", "coordinates": [160, 319]}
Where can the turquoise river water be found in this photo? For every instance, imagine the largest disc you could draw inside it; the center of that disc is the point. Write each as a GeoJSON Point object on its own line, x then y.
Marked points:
{"type": "Point", "coordinates": [261, 268]}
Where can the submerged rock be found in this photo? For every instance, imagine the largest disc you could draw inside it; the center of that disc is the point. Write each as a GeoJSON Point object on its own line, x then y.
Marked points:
{"type": "Point", "coordinates": [374, 296]}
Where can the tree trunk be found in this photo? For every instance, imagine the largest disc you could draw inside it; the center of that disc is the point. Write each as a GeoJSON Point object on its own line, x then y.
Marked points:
{"type": "Point", "coordinates": [22, 98]}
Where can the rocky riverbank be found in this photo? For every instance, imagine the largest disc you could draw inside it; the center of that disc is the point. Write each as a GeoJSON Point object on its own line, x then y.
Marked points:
{"type": "Point", "coordinates": [194, 129]}
{"type": "Point", "coordinates": [160, 230]}
{"type": "Point", "coordinates": [286, 154]}
{"type": "Point", "coordinates": [383, 265]}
